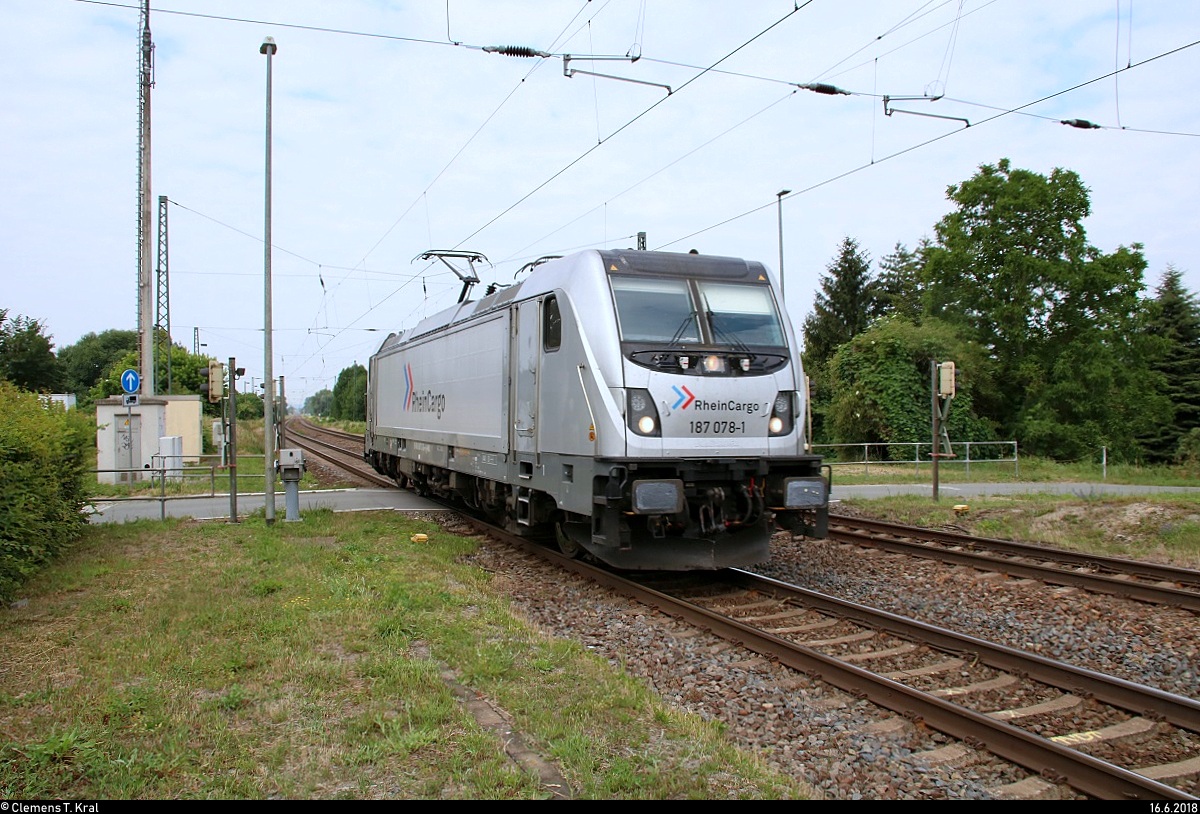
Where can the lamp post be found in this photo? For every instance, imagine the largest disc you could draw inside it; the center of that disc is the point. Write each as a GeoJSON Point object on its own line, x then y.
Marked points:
{"type": "Point", "coordinates": [779, 198]}
{"type": "Point", "coordinates": [269, 48]}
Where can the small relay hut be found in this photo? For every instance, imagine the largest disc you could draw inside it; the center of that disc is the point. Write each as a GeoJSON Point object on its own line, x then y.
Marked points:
{"type": "Point", "coordinates": [152, 434]}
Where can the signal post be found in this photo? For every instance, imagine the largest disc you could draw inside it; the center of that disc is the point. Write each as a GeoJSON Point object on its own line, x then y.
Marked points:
{"type": "Point", "coordinates": [942, 391]}
{"type": "Point", "coordinates": [214, 389]}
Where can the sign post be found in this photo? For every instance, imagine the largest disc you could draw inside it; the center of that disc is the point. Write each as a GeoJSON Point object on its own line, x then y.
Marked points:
{"type": "Point", "coordinates": [131, 382]}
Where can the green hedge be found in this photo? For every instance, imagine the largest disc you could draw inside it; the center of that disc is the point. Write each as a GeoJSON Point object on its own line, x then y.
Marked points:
{"type": "Point", "coordinates": [45, 455]}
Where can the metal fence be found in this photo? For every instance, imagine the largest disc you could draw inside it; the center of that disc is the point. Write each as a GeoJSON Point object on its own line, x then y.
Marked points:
{"type": "Point", "coordinates": [164, 479]}
{"type": "Point", "coordinates": [158, 476]}
{"type": "Point", "coordinates": [917, 454]}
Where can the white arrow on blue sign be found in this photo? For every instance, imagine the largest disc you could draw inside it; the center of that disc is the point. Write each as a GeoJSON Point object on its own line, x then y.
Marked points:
{"type": "Point", "coordinates": [130, 380]}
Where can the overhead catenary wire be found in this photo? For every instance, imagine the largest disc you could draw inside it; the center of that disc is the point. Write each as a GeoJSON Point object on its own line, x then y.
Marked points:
{"type": "Point", "coordinates": [717, 70]}
{"type": "Point", "coordinates": [629, 123]}
{"type": "Point", "coordinates": [935, 139]}
{"type": "Point", "coordinates": [1018, 110]}
{"type": "Point", "coordinates": [798, 6]}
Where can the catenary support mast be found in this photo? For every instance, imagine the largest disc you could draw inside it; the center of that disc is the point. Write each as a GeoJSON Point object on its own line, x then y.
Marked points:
{"type": "Point", "coordinates": [145, 309]}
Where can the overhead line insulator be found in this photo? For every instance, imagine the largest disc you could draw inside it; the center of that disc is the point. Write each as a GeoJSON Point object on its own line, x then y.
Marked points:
{"type": "Point", "coordinates": [515, 51]}
{"type": "Point", "coordinates": [821, 87]}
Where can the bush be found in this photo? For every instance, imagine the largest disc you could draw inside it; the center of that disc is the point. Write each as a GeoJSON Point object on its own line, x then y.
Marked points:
{"type": "Point", "coordinates": [46, 453]}
{"type": "Point", "coordinates": [1188, 454]}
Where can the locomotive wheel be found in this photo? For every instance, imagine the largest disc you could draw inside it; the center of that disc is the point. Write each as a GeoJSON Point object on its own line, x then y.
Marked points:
{"type": "Point", "coordinates": [566, 545]}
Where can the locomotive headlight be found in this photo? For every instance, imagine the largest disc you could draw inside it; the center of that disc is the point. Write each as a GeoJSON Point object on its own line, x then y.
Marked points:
{"type": "Point", "coordinates": [641, 415]}
{"type": "Point", "coordinates": [782, 418]}
{"type": "Point", "coordinates": [714, 364]}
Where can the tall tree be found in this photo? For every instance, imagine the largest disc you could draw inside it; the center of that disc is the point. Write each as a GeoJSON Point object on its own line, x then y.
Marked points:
{"type": "Point", "coordinates": [350, 394]}
{"type": "Point", "coordinates": [1174, 318]}
{"type": "Point", "coordinates": [319, 403]}
{"type": "Point", "coordinates": [250, 406]}
{"type": "Point", "coordinates": [1002, 259]}
{"type": "Point", "coordinates": [1011, 268]}
{"type": "Point", "coordinates": [842, 306]}
{"type": "Point", "coordinates": [897, 288]}
{"type": "Point", "coordinates": [27, 355]}
{"type": "Point", "coordinates": [87, 361]}
{"type": "Point", "coordinates": [841, 310]}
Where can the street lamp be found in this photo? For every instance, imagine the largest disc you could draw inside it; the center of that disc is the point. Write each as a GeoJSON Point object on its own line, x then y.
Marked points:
{"type": "Point", "coordinates": [269, 48]}
{"type": "Point", "coordinates": [779, 198]}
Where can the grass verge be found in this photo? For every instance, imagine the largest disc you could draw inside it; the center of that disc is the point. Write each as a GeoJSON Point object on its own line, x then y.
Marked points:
{"type": "Point", "coordinates": [1159, 528]}
{"type": "Point", "coordinates": [185, 660]}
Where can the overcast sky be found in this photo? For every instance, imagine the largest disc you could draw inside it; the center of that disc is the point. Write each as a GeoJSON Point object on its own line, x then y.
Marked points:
{"type": "Point", "coordinates": [395, 132]}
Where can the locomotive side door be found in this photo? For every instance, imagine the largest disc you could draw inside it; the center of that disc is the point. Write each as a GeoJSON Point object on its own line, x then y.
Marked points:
{"type": "Point", "coordinates": [523, 374]}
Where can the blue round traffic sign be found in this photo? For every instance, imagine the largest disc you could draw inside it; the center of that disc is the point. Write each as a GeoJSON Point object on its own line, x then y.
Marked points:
{"type": "Point", "coordinates": [130, 380]}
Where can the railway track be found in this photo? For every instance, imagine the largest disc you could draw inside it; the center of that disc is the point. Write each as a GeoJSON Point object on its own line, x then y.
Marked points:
{"type": "Point", "coordinates": [1131, 579]}
{"type": "Point", "coordinates": [342, 451]}
{"type": "Point", "coordinates": [1135, 742]}
{"type": "Point", "coordinates": [1072, 732]}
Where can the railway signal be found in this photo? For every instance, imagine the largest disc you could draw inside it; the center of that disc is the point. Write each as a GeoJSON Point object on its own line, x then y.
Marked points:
{"type": "Point", "coordinates": [216, 382]}
{"type": "Point", "coordinates": [943, 385]}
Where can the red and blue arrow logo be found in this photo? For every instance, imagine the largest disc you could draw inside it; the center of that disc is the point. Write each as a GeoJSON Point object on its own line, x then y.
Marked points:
{"type": "Point", "coordinates": [686, 397]}
{"type": "Point", "coordinates": [408, 387]}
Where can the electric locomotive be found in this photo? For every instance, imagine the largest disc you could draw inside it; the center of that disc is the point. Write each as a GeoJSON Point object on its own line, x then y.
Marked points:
{"type": "Point", "coordinates": [646, 408]}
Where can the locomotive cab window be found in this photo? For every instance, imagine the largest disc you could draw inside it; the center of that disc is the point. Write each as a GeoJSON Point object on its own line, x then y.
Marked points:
{"type": "Point", "coordinates": [741, 314]}
{"type": "Point", "coordinates": [551, 324]}
{"type": "Point", "coordinates": [652, 310]}
{"type": "Point", "coordinates": [680, 311]}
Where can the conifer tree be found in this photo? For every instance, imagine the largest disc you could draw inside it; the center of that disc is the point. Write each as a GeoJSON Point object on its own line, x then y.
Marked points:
{"type": "Point", "coordinates": [1174, 317]}
{"type": "Point", "coordinates": [897, 288]}
{"type": "Point", "coordinates": [842, 306]}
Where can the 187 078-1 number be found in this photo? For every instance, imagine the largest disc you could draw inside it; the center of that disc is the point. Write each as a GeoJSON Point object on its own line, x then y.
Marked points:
{"type": "Point", "coordinates": [718, 427]}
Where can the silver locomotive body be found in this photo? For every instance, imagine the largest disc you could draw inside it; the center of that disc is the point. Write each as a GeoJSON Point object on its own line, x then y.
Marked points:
{"type": "Point", "coordinates": [645, 407]}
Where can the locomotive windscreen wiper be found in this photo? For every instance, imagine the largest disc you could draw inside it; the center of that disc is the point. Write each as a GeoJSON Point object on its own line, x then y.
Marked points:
{"type": "Point", "coordinates": [683, 326]}
{"type": "Point", "coordinates": [720, 333]}
{"type": "Point", "coordinates": [723, 335]}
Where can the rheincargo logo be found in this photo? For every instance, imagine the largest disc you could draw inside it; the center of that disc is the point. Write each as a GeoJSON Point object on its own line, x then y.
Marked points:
{"type": "Point", "coordinates": [686, 398]}
{"type": "Point", "coordinates": [427, 402]}
{"type": "Point", "coordinates": [747, 407]}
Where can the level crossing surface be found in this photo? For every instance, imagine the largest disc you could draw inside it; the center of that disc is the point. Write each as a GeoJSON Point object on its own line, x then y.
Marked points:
{"type": "Point", "coordinates": [218, 507]}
